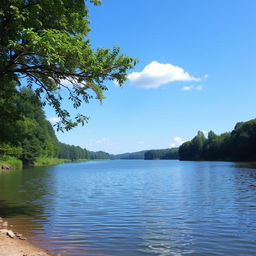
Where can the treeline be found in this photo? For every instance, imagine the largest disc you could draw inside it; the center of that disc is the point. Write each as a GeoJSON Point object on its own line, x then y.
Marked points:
{"type": "Point", "coordinates": [154, 154]}
{"type": "Point", "coordinates": [238, 145]}
{"type": "Point", "coordinates": [133, 155]}
{"type": "Point", "coordinates": [72, 152]}
{"type": "Point", "coordinates": [27, 135]}
{"type": "Point", "coordinates": [98, 155]}
{"type": "Point", "coordinates": [25, 132]}
{"type": "Point", "coordinates": [77, 153]}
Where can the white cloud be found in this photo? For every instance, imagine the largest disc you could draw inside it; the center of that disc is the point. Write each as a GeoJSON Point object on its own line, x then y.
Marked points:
{"type": "Point", "coordinates": [156, 74]}
{"type": "Point", "coordinates": [141, 142]}
{"type": "Point", "coordinates": [177, 141]}
{"type": "Point", "coordinates": [103, 141]}
{"type": "Point", "coordinates": [187, 88]}
{"type": "Point", "coordinates": [53, 120]}
{"type": "Point", "coordinates": [70, 82]}
{"type": "Point", "coordinates": [192, 87]}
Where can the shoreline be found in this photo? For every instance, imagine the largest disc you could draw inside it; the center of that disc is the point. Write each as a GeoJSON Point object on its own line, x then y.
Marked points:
{"type": "Point", "coordinates": [14, 244]}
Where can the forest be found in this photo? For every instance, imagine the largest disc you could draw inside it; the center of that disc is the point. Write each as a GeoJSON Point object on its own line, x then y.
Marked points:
{"type": "Point", "coordinates": [154, 154]}
{"type": "Point", "coordinates": [238, 145]}
{"type": "Point", "coordinates": [26, 136]}
{"type": "Point", "coordinates": [127, 156]}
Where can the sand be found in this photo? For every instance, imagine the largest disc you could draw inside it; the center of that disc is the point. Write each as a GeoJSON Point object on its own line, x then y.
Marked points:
{"type": "Point", "coordinates": [17, 245]}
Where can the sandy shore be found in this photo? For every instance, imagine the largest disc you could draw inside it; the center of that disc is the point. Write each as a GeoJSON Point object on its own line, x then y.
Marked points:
{"type": "Point", "coordinates": [14, 244]}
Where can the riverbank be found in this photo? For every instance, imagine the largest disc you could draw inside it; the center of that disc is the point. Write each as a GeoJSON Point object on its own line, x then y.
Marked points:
{"type": "Point", "coordinates": [10, 163]}
{"type": "Point", "coordinates": [14, 244]}
{"type": "Point", "coordinates": [46, 161]}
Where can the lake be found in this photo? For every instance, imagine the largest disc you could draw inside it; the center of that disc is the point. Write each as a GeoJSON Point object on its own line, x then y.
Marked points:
{"type": "Point", "coordinates": [135, 207]}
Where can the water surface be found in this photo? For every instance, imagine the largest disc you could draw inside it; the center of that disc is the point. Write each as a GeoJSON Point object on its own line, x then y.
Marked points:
{"type": "Point", "coordinates": [135, 207]}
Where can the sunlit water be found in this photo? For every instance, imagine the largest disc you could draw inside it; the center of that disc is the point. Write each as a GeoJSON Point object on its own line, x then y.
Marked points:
{"type": "Point", "coordinates": [135, 207]}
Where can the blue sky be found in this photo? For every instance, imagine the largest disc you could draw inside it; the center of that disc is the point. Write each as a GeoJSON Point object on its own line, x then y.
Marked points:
{"type": "Point", "coordinates": [199, 63]}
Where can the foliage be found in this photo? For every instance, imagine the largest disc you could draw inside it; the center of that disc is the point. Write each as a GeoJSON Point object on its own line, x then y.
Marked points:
{"type": "Point", "coordinates": [13, 162]}
{"type": "Point", "coordinates": [30, 135]}
{"type": "Point", "coordinates": [7, 149]}
{"type": "Point", "coordinates": [239, 145]}
{"type": "Point", "coordinates": [134, 155]}
{"type": "Point", "coordinates": [41, 161]}
{"type": "Point", "coordinates": [99, 155]}
{"type": "Point", "coordinates": [76, 153]}
{"type": "Point", "coordinates": [72, 152]}
{"type": "Point", "coordinates": [45, 42]}
{"type": "Point", "coordinates": [161, 154]}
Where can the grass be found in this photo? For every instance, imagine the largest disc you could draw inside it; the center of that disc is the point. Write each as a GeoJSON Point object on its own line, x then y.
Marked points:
{"type": "Point", "coordinates": [81, 160]}
{"type": "Point", "coordinates": [44, 161]}
{"type": "Point", "coordinates": [12, 162]}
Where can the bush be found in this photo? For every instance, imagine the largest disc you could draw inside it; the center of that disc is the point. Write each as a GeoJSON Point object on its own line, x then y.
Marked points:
{"type": "Point", "coordinates": [13, 162]}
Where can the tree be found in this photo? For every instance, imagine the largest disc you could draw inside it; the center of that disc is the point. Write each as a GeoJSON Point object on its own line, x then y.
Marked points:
{"type": "Point", "coordinates": [239, 145]}
{"type": "Point", "coordinates": [45, 43]}
{"type": "Point", "coordinates": [194, 149]}
{"type": "Point", "coordinates": [170, 153]}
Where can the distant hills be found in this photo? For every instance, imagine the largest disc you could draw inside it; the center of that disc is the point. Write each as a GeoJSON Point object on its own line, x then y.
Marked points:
{"type": "Point", "coordinates": [133, 155]}
{"type": "Point", "coordinates": [169, 153]}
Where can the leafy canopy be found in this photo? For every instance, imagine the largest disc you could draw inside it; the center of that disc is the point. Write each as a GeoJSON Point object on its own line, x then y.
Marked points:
{"type": "Point", "coordinates": [45, 43]}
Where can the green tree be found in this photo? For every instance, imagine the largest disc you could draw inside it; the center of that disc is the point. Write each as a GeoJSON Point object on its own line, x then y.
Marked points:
{"type": "Point", "coordinates": [194, 149]}
{"type": "Point", "coordinates": [239, 145]}
{"type": "Point", "coordinates": [46, 43]}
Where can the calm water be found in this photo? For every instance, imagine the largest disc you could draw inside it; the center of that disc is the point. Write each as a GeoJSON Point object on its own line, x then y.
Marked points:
{"type": "Point", "coordinates": [135, 207]}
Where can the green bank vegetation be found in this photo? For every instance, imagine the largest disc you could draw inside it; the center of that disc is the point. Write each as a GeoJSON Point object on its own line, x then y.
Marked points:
{"type": "Point", "coordinates": [28, 138]}
{"type": "Point", "coordinates": [41, 161]}
{"type": "Point", "coordinates": [238, 145]}
{"type": "Point", "coordinates": [10, 162]}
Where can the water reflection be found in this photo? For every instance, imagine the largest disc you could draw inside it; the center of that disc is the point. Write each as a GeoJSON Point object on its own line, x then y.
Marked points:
{"type": "Point", "coordinates": [135, 207]}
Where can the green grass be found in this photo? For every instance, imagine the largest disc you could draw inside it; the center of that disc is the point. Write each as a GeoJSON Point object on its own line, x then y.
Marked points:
{"type": "Point", "coordinates": [12, 162]}
{"type": "Point", "coordinates": [81, 160]}
{"type": "Point", "coordinates": [44, 161]}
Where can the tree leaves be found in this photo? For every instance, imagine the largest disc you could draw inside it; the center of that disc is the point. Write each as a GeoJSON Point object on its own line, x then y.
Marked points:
{"type": "Point", "coordinates": [46, 43]}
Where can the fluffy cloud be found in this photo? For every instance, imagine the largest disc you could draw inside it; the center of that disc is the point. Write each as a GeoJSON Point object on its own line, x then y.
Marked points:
{"type": "Point", "coordinates": [53, 120]}
{"type": "Point", "coordinates": [192, 87]}
{"type": "Point", "coordinates": [177, 141]}
{"type": "Point", "coordinates": [156, 74]}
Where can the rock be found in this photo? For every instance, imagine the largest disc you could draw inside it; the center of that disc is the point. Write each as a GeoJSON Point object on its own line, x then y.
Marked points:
{"type": "Point", "coordinates": [22, 238]}
{"type": "Point", "coordinates": [18, 234]}
{"type": "Point", "coordinates": [10, 234]}
{"type": "Point", "coordinates": [5, 167]}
